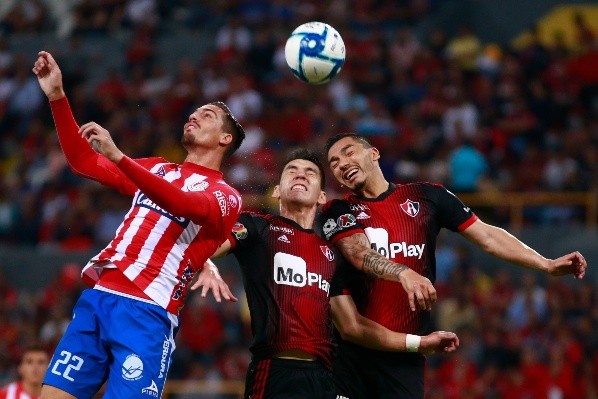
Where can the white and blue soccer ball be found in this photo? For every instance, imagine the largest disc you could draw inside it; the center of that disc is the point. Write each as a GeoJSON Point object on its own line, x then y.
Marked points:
{"type": "Point", "coordinates": [315, 52]}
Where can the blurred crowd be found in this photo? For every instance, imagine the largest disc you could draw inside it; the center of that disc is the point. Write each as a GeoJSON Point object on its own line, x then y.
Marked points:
{"type": "Point", "coordinates": [441, 105]}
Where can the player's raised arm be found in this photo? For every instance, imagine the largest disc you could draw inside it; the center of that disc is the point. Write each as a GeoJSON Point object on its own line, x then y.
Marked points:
{"type": "Point", "coordinates": [82, 159]}
{"type": "Point", "coordinates": [355, 328]}
{"type": "Point", "coordinates": [504, 245]}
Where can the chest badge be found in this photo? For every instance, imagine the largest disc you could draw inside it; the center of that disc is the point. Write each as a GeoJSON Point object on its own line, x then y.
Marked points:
{"type": "Point", "coordinates": [327, 252]}
{"type": "Point", "coordinates": [411, 208]}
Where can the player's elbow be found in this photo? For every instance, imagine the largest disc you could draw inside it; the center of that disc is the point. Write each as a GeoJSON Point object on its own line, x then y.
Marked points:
{"type": "Point", "coordinates": [349, 331]}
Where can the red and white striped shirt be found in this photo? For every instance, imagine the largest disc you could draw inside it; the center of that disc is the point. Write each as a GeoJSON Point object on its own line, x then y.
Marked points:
{"type": "Point", "coordinates": [179, 216]}
{"type": "Point", "coordinates": [15, 390]}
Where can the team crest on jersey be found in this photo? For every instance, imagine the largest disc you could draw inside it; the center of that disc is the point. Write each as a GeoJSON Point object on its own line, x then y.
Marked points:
{"type": "Point", "coordinates": [411, 208]}
{"type": "Point", "coordinates": [199, 186]}
{"type": "Point", "coordinates": [240, 231]}
{"type": "Point", "coordinates": [327, 252]}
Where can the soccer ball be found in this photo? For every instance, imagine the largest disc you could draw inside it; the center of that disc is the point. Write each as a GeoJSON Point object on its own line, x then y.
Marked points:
{"type": "Point", "coordinates": [315, 52]}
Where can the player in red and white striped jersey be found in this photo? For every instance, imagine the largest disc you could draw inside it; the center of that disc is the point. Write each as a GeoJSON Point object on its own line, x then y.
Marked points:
{"type": "Point", "coordinates": [123, 330]}
{"type": "Point", "coordinates": [32, 368]}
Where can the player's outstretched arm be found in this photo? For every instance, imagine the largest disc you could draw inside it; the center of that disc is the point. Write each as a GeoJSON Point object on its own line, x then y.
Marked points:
{"type": "Point", "coordinates": [356, 249]}
{"type": "Point", "coordinates": [82, 160]}
{"type": "Point", "coordinates": [355, 328]}
{"type": "Point", "coordinates": [209, 278]}
{"type": "Point", "coordinates": [504, 245]}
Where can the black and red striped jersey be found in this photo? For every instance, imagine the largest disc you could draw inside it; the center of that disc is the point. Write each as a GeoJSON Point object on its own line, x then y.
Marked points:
{"type": "Point", "coordinates": [402, 224]}
{"type": "Point", "coordinates": [287, 272]}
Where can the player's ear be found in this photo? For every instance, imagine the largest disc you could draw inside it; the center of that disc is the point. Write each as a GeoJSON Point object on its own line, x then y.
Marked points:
{"type": "Point", "coordinates": [322, 198]}
{"type": "Point", "coordinates": [226, 138]}
{"type": "Point", "coordinates": [276, 192]}
{"type": "Point", "coordinates": [375, 153]}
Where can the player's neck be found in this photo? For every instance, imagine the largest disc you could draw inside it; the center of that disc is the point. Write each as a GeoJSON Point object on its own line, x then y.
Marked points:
{"type": "Point", "coordinates": [303, 216]}
{"type": "Point", "coordinates": [208, 159]}
{"type": "Point", "coordinates": [374, 187]}
{"type": "Point", "coordinates": [32, 388]}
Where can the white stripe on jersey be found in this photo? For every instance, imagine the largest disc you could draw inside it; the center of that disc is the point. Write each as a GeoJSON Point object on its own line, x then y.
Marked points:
{"type": "Point", "coordinates": [15, 391]}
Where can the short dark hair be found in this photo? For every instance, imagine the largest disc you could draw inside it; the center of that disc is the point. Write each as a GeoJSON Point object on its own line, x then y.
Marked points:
{"type": "Point", "coordinates": [308, 155]}
{"type": "Point", "coordinates": [231, 125]}
{"type": "Point", "coordinates": [332, 140]}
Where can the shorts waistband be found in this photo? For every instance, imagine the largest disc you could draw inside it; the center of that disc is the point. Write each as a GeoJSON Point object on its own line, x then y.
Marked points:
{"type": "Point", "coordinates": [115, 280]}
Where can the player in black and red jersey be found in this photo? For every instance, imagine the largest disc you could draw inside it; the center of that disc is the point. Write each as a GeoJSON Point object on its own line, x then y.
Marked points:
{"type": "Point", "coordinates": [401, 222]}
{"type": "Point", "coordinates": [287, 272]}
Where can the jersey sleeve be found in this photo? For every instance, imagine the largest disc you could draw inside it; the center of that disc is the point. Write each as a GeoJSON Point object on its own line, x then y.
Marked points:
{"type": "Point", "coordinates": [338, 221]}
{"type": "Point", "coordinates": [452, 213]}
{"type": "Point", "coordinates": [82, 159]}
{"type": "Point", "coordinates": [340, 279]}
{"type": "Point", "coordinates": [244, 233]}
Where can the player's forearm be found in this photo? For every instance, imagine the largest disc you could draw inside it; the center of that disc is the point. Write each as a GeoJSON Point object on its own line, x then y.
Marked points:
{"type": "Point", "coordinates": [507, 247]}
{"type": "Point", "coordinates": [356, 249]}
{"type": "Point", "coordinates": [374, 336]}
{"type": "Point", "coordinates": [80, 156]}
{"type": "Point", "coordinates": [190, 205]}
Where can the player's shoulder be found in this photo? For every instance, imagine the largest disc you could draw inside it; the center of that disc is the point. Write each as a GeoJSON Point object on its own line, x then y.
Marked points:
{"type": "Point", "coordinates": [336, 202]}
{"type": "Point", "coordinates": [425, 187]}
{"type": "Point", "coordinates": [152, 161]}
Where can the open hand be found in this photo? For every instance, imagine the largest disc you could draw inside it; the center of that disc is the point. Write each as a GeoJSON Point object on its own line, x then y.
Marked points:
{"type": "Point", "coordinates": [209, 278]}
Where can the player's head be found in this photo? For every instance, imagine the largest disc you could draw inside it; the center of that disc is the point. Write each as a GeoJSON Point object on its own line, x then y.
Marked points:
{"type": "Point", "coordinates": [352, 160]}
{"type": "Point", "coordinates": [302, 179]}
{"type": "Point", "coordinates": [34, 363]}
{"type": "Point", "coordinates": [213, 126]}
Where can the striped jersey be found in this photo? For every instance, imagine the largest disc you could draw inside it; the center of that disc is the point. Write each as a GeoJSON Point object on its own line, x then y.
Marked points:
{"type": "Point", "coordinates": [402, 224]}
{"type": "Point", "coordinates": [15, 390]}
{"type": "Point", "coordinates": [287, 271]}
{"type": "Point", "coordinates": [179, 216]}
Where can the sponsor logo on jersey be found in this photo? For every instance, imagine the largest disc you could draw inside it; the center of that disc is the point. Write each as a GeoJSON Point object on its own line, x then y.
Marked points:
{"type": "Point", "coordinates": [232, 201]}
{"type": "Point", "coordinates": [359, 207]}
{"type": "Point", "coordinates": [161, 172]}
{"type": "Point", "coordinates": [132, 368]}
{"type": "Point", "coordinates": [187, 275]}
{"type": "Point", "coordinates": [221, 198]}
{"type": "Point", "coordinates": [240, 231]}
{"type": "Point", "coordinates": [283, 229]}
{"type": "Point", "coordinates": [292, 270]}
{"type": "Point", "coordinates": [284, 238]}
{"type": "Point", "coordinates": [363, 216]}
{"type": "Point", "coordinates": [328, 253]}
{"type": "Point", "coordinates": [411, 208]}
{"type": "Point", "coordinates": [152, 390]}
{"type": "Point", "coordinates": [199, 186]}
{"type": "Point", "coordinates": [379, 241]}
{"type": "Point", "coordinates": [332, 226]}
{"type": "Point", "coordinates": [164, 358]}
{"type": "Point", "coordinates": [144, 202]}
{"type": "Point", "coordinates": [400, 248]}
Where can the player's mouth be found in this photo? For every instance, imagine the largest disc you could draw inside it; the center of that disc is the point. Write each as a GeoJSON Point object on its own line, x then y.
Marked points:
{"type": "Point", "coordinates": [350, 174]}
{"type": "Point", "coordinates": [189, 125]}
{"type": "Point", "coordinates": [298, 187]}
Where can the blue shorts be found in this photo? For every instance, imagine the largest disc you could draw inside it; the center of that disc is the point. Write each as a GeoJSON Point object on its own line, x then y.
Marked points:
{"type": "Point", "coordinates": [125, 341]}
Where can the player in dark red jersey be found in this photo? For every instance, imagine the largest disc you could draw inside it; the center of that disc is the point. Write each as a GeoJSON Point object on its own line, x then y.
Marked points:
{"type": "Point", "coordinates": [287, 272]}
{"type": "Point", "coordinates": [401, 222]}
{"type": "Point", "coordinates": [123, 329]}
{"type": "Point", "coordinates": [32, 368]}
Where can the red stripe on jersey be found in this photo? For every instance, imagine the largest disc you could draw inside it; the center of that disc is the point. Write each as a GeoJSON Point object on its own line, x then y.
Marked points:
{"type": "Point", "coordinates": [261, 377]}
{"type": "Point", "coordinates": [110, 251]}
{"type": "Point", "coordinates": [344, 234]}
{"type": "Point", "coordinates": [158, 257]}
{"type": "Point", "coordinates": [467, 223]}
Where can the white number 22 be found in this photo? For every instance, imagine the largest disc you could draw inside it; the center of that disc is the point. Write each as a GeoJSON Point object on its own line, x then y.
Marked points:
{"type": "Point", "coordinates": [71, 362]}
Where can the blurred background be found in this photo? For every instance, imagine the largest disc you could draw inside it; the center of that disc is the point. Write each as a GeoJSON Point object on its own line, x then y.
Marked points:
{"type": "Point", "coordinates": [497, 100]}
